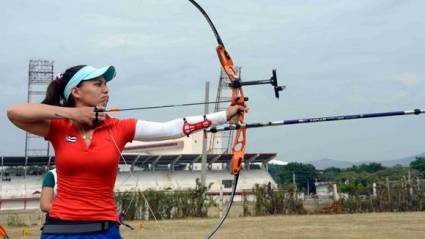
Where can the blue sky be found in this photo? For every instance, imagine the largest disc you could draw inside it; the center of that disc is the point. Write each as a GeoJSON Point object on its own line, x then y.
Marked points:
{"type": "Point", "coordinates": [335, 57]}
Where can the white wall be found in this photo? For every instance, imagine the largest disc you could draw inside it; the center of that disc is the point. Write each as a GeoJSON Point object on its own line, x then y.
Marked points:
{"type": "Point", "coordinates": [21, 193]}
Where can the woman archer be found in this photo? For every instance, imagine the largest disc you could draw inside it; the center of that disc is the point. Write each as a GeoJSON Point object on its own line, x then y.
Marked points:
{"type": "Point", "coordinates": [88, 144]}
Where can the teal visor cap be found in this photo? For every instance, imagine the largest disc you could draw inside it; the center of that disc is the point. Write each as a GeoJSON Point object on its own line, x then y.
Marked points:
{"type": "Point", "coordinates": [88, 73]}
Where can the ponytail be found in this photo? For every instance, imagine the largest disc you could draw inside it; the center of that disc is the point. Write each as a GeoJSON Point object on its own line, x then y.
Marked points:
{"type": "Point", "coordinates": [54, 92]}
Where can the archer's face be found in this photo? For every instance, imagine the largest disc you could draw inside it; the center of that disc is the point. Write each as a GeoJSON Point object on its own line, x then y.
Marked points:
{"type": "Point", "coordinates": [92, 92]}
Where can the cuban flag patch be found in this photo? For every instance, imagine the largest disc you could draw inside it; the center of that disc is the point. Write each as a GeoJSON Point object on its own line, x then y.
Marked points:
{"type": "Point", "coordinates": [71, 139]}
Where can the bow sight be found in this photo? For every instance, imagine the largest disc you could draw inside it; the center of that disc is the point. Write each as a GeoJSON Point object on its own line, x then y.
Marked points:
{"type": "Point", "coordinates": [272, 81]}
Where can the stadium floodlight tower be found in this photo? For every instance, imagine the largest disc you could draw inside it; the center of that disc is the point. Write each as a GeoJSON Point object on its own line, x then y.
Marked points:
{"type": "Point", "coordinates": [40, 74]}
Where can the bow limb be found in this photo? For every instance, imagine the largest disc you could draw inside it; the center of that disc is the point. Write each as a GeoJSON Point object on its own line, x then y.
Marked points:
{"type": "Point", "coordinates": [226, 212]}
{"type": "Point", "coordinates": [237, 98]}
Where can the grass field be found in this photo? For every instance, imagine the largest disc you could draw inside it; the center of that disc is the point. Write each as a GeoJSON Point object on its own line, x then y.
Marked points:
{"type": "Point", "coordinates": [409, 225]}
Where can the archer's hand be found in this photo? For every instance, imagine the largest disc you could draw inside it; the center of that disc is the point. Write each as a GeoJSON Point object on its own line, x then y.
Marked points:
{"type": "Point", "coordinates": [233, 112]}
{"type": "Point", "coordinates": [87, 115]}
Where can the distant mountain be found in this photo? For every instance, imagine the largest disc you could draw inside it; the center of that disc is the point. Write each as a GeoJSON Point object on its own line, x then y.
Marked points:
{"type": "Point", "coordinates": [403, 161]}
{"type": "Point", "coordinates": [327, 163]}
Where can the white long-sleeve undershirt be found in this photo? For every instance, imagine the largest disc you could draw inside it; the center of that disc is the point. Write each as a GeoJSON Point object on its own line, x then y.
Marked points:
{"type": "Point", "coordinates": [173, 129]}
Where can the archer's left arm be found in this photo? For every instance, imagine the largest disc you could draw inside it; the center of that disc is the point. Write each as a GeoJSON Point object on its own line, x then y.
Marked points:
{"type": "Point", "coordinates": [155, 131]}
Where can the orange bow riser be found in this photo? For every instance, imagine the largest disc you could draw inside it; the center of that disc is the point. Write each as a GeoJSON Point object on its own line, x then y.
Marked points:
{"type": "Point", "coordinates": [238, 98]}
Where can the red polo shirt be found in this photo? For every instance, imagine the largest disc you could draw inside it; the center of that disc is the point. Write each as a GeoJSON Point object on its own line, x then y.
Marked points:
{"type": "Point", "coordinates": [86, 175]}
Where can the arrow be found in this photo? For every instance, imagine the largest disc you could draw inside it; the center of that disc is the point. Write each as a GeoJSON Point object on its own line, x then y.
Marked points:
{"type": "Point", "coordinates": [168, 106]}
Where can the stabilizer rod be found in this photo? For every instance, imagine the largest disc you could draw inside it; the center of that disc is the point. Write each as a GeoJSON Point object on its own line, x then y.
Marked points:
{"type": "Point", "coordinates": [316, 120]}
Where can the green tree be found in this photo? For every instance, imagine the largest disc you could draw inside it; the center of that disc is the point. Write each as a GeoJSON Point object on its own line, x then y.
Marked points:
{"type": "Point", "coordinates": [305, 174]}
{"type": "Point", "coordinates": [366, 167]}
{"type": "Point", "coordinates": [371, 167]}
{"type": "Point", "coordinates": [329, 174]}
{"type": "Point", "coordinates": [418, 164]}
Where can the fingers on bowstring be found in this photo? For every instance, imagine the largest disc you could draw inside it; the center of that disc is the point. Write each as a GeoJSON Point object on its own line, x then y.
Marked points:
{"type": "Point", "coordinates": [99, 114]}
{"type": "Point", "coordinates": [100, 108]}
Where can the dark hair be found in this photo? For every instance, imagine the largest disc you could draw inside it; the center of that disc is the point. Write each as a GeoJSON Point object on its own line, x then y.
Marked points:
{"type": "Point", "coordinates": [54, 92]}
